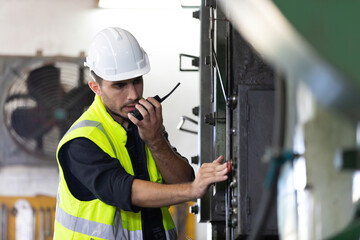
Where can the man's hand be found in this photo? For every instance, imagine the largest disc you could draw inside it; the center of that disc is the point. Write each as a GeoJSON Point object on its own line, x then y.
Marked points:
{"type": "Point", "coordinates": [150, 194]}
{"type": "Point", "coordinates": [150, 128]}
{"type": "Point", "coordinates": [172, 167]}
{"type": "Point", "coordinates": [209, 173]}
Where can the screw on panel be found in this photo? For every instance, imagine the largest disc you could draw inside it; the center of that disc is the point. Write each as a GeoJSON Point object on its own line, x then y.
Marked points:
{"type": "Point", "coordinates": [232, 101]}
{"type": "Point", "coordinates": [233, 183]}
{"type": "Point", "coordinates": [234, 221]}
{"type": "Point", "coordinates": [233, 131]}
{"type": "Point", "coordinates": [234, 201]}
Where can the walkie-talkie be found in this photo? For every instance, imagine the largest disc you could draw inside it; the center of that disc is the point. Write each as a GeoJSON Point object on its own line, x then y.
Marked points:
{"type": "Point", "coordinates": [138, 115]}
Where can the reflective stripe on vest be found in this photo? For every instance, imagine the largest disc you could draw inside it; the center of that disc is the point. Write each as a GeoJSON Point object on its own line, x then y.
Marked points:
{"type": "Point", "coordinates": [81, 225]}
{"type": "Point", "coordinates": [122, 233]}
{"type": "Point", "coordinates": [101, 230]}
{"type": "Point", "coordinates": [90, 123]}
{"type": "Point", "coordinates": [170, 234]}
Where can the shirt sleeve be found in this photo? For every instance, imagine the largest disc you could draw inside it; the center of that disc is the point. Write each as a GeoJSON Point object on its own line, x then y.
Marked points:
{"type": "Point", "coordinates": [91, 173]}
{"type": "Point", "coordinates": [166, 135]}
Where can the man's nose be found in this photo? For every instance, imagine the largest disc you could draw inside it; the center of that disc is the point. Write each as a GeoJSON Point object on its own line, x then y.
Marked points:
{"type": "Point", "coordinates": [132, 93]}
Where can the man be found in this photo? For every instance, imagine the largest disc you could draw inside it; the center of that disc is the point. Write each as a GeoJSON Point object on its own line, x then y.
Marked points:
{"type": "Point", "coordinates": [118, 175]}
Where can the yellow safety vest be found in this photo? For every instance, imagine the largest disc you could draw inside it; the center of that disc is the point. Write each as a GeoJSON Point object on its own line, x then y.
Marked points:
{"type": "Point", "coordinates": [95, 219]}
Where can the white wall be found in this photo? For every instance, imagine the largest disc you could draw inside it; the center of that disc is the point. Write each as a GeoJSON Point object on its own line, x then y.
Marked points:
{"type": "Point", "coordinates": [66, 28]}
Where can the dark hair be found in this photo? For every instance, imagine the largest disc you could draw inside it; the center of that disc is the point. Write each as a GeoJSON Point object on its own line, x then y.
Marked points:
{"type": "Point", "coordinates": [96, 77]}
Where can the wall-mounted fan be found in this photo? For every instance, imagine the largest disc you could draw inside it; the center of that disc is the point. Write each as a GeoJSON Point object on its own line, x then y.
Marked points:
{"type": "Point", "coordinates": [41, 102]}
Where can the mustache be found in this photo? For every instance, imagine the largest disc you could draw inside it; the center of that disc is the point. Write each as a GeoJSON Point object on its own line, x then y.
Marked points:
{"type": "Point", "coordinates": [131, 102]}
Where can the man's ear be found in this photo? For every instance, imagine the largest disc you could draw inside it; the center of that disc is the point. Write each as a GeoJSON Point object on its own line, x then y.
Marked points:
{"type": "Point", "coordinates": [95, 87]}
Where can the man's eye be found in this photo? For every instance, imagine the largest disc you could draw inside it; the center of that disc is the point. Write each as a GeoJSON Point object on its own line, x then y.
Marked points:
{"type": "Point", "coordinates": [138, 80]}
{"type": "Point", "coordinates": [119, 85]}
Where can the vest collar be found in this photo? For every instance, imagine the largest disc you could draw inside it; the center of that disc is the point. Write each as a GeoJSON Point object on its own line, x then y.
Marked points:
{"type": "Point", "coordinates": [103, 114]}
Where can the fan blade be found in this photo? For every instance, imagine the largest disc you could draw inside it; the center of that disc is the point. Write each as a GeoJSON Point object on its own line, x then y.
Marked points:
{"type": "Point", "coordinates": [44, 86]}
{"type": "Point", "coordinates": [31, 122]}
{"type": "Point", "coordinates": [17, 96]}
{"type": "Point", "coordinates": [76, 101]}
{"type": "Point", "coordinates": [73, 105]}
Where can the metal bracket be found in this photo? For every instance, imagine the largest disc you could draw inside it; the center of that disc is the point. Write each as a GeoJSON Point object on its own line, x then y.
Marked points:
{"type": "Point", "coordinates": [190, 4]}
{"type": "Point", "coordinates": [211, 119]}
{"type": "Point", "coordinates": [194, 62]}
{"type": "Point", "coordinates": [180, 125]}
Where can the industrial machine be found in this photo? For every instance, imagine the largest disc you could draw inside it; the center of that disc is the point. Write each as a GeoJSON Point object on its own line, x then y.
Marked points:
{"type": "Point", "coordinates": [280, 94]}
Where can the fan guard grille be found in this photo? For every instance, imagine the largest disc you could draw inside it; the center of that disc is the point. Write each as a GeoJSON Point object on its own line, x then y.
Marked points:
{"type": "Point", "coordinates": [41, 103]}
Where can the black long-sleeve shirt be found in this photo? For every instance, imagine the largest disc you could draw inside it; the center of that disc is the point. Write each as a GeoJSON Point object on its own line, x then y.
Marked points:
{"type": "Point", "coordinates": [91, 173]}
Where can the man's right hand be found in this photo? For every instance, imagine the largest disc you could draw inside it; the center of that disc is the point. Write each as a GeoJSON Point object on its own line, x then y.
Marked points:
{"type": "Point", "coordinates": [209, 173]}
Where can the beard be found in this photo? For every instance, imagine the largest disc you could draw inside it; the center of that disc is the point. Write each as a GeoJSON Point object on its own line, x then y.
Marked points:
{"type": "Point", "coordinates": [111, 108]}
{"type": "Point", "coordinates": [118, 117]}
{"type": "Point", "coordinates": [114, 113]}
{"type": "Point", "coordinates": [118, 113]}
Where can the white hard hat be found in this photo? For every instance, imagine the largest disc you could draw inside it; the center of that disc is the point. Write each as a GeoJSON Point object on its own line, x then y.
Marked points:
{"type": "Point", "coordinates": [115, 55]}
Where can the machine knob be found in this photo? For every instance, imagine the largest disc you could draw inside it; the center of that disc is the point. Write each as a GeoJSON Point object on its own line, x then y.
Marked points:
{"type": "Point", "coordinates": [194, 209]}
{"type": "Point", "coordinates": [233, 183]}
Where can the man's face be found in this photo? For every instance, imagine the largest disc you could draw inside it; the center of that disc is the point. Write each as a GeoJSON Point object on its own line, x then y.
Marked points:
{"type": "Point", "coordinates": [120, 97]}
